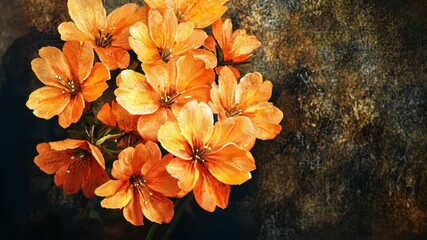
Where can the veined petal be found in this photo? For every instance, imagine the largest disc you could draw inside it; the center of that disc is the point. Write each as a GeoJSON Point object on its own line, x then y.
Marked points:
{"type": "Point", "coordinates": [195, 40]}
{"type": "Point", "coordinates": [253, 90]}
{"type": "Point", "coordinates": [56, 61]}
{"type": "Point", "coordinates": [70, 32]}
{"type": "Point", "coordinates": [191, 119]}
{"type": "Point", "coordinates": [206, 56]}
{"type": "Point", "coordinates": [89, 16]}
{"type": "Point", "coordinates": [45, 73]}
{"type": "Point", "coordinates": [204, 13]}
{"type": "Point", "coordinates": [149, 125]}
{"type": "Point", "coordinates": [173, 141]}
{"type": "Point", "coordinates": [242, 43]}
{"type": "Point", "coordinates": [97, 176]}
{"type": "Point", "coordinates": [71, 177]}
{"type": "Point", "coordinates": [227, 86]}
{"type": "Point", "coordinates": [210, 43]}
{"type": "Point", "coordinates": [133, 212]}
{"type": "Point", "coordinates": [142, 44]}
{"type": "Point", "coordinates": [231, 164]}
{"type": "Point", "coordinates": [67, 144]}
{"type": "Point", "coordinates": [109, 188]}
{"type": "Point", "coordinates": [80, 58]}
{"type": "Point", "coordinates": [149, 154]}
{"type": "Point", "coordinates": [157, 208]}
{"type": "Point", "coordinates": [125, 120]}
{"type": "Point", "coordinates": [72, 112]}
{"type": "Point", "coordinates": [185, 171]}
{"type": "Point", "coordinates": [158, 4]}
{"type": "Point", "coordinates": [124, 167]}
{"type": "Point", "coordinates": [47, 102]}
{"type": "Point", "coordinates": [119, 199]}
{"type": "Point", "coordinates": [97, 155]}
{"type": "Point", "coordinates": [160, 180]}
{"type": "Point", "coordinates": [49, 161]}
{"type": "Point", "coordinates": [157, 74]}
{"type": "Point", "coordinates": [265, 118]}
{"type": "Point", "coordinates": [105, 115]}
{"type": "Point", "coordinates": [113, 57]}
{"type": "Point", "coordinates": [209, 192]}
{"type": "Point", "coordinates": [238, 130]}
{"type": "Point", "coordinates": [95, 84]}
{"type": "Point", "coordinates": [135, 94]}
{"type": "Point", "coordinates": [122, 18]}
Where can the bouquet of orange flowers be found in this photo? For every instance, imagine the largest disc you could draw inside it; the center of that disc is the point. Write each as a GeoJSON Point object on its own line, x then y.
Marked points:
{"type": "Point", "coordinates": [176, 121]}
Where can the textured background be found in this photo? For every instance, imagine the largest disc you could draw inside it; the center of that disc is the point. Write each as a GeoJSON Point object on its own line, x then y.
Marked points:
{"type": "Point", "coordinates": [350, 163]}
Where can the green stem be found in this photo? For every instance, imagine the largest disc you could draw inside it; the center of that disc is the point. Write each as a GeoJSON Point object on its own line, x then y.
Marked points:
{"type": "Point", "coordinates": [106, 137]}
{"type": "Point", "coordinates": [152, 231]}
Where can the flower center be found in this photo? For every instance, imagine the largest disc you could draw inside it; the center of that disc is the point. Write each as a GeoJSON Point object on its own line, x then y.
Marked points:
{"type": "Point", "coordinates": [70, 86]}
{"type": "Point", "coordinates": [166, 54]}
{"type": "Point", "coordinates": [168, 99]}
{"type": "Point", "coordinates": [235, 111]}
{"type": "Point", "coordinates": [140, 185]}
{"type": "Point", "coordinates": [200, 153]}
{"type": "Point", "coordinates": [104, 40]}
{"type": "Point", "coordinates": [78, 159]}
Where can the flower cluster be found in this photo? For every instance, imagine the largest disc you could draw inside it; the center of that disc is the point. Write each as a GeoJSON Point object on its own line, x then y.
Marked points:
{"type": "Point", "coordinates": [181, 96]}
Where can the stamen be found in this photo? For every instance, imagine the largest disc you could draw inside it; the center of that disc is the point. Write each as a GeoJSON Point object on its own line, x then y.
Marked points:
{"type": "Point", "coordinates": [104, 40]}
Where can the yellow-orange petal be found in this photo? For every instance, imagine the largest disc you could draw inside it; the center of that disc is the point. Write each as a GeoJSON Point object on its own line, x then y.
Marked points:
{"type": "Point", "coordinates": [149, 154]}
{"type": "Point", "coordinates": [227, 86]}
{"type": "Point", "coordinates": [47, 102]}
{"type": "Point", "coordinates": [121, 19]}
{"type": "Point", "coordinates": [149, 125]}
{"type": "Point", "coordinates": [159, 180]}
{"type": "Point", "coordinates": [125, 121]}
{"type": "Point", "coordinates": [253, 90]}
{"type": "Point", "coordinates": [157, 208]}
{"type": "Point", "coordinates": [109, 188]}
{"type": "Point", "coordinates": [159, 76]}
{"type": "Point", "coordinates": [105, 115]}
{"type": "Point", "coordinates": [133, 212]}
{"type": "Point", "coordinates": [185, 171]}
{"type": "Point", "coordinates": [195, 40]}
{"type": "Point", "coordinates": [56, 61]}
{"type": "Point", "coordinates": [70, 32]}
{"type": "Point", "coordinates": [158, 4]}
{"type": "Point", "coordinates": [238, 130]}
{"type": "Point", "coordinates": [135, 94]}
{"type": "Point", "coordinates": [210, 44]}
{"type": "Point", "coordinates": [80, 58]}
{"type": "Point", "coordinates": [113, 57]}
{"type": "Point", "coordinates": [222, 31]}
{"type": "Point", "coordinates": [265, 118]}
{"type": "Point", "coordinates": [173, 141]}
{"type": "Point", "coordinates": [242, 45]}
{"type": "Point", "coordinates": [142, 44]}
{"type": "Point", "coordinates": [190, 119]}
{"type": "Point", "coordinates": [233, 69]}
{"type": "Point", "coordinates": [95, 84]}
{"type": "Point", "coordinates": [203, 14]}
{"type": "Point", "coordinates": [206, 56]}
{"type": "Point", "coordinates": [72, 112]}
{"type": "Point", "coordinates": [209, 192]}
{"type": "Point", "coordinates": [67, 144]}
{"type": "Point", "coordinates": [119, 199]}
{"type": "Point", "coordinates": [162, 27]}
{"type": "Point", "coordinates": [89, 16]}
{"type": "Point", "coordinates": [124, 167]}
{"type": "Point", "coordinates": [45, 73]}
{"type": "Point", "coordinates": [96, 153]}
{"type": "Point", "coordinates": [231, 164]}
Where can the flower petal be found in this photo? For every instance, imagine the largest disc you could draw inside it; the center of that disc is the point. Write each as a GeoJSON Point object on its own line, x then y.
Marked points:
{"type": "Point", "coordinates": [195, 40]}
{"type": "Point", "coordinates": [190, 119]}
{"type": "Point", "coordinates": [109, 188]}
{"type": "Point", "coordinates": [71, 177]}
{"type": "Point", "coordinates": [253, 90]}
{"type": "Point", "coordinates": [133, 212]}
{"type": "Point", "coordinates": [206, 56]}
{"type": "Point", "coordinates": [157, 208]}
{"type": "Point", "coordinates": [160, 180]}
{"type": "Point", "coordinates": [123, 168]}
{"type": "Point", "coordinates": [105, 115]}
{"type": "Point", "coordinates": [204, 13]}
{"type": "Point", "coordinates": [119, 199]}
{"type": "Point", "coordinates": [80, 58]}
{"type": "Point", "coordinates": [70, 32]}
{"type": "Point", "coordinates": [265, 118]}
{"type": "Point", "coordinates": [142, 44]}
{"type": "Point", "coordinates": [231, 164]}
{"type": "Point", "coordinates": [135, 94]}
{"type": "Point", "coordinates": [45, 73]}
{"type": "Point", "coordinates": [209, 192]}
{"type": "Point", "coordinates": [97, 176]}
{"type": "Point", "coordinates": [113, 57]}
{"type": "Point", "coordinates": [72, 112]}
{"type": "Point", "coordinates": [89, 16]}
{"type": "Point", "coordinates": [185, 171]}
{"type": "Point", "coordinates": [173, 141]}
{"type": "Point", "coordinates": [149, 154]}
{"type": "Point", "coordinates": [49, 161]}
{"type": "Point", "coordinates": [47, 102]}
{"type": "Point", "coordinates": [227, 86]}
{"type": "Point", "coordinates": [95, 84]}
{"type": "Point", "coordinates": [56, 61]}
{"type": "Point", "coordinates": [67, 144]}
{"type": "Point", "coordinates": [238, 130]}
{"type": "Point", "coordinates": [149, 125]}
{"type": "Point", "coordinates": [126, 121]}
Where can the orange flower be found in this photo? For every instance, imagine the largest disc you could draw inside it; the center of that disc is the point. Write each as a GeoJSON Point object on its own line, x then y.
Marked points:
{"type": "Point", "coordinates": [71, 79]}
{"type": "Point", "coordinates": [142, 185]}
{"type": "Point", "coordinates": [208, 158]}
{"type": "Point", "coordinates": [108, 35]}
{"type": "Point", "coordinates": [201, 12]}
{"type": "Point", "coordinates": [164, 89]}
{"type": "Point", "coordinates": [77, 164]}
{"type": "Point", "coordinates": [235, 47]}
{"type": "Point", "coordinates": [248, 98]}
{"type": "Point", "coordinates": [163, 38]}
{"type": "Point", "coordinates": [117, 115]}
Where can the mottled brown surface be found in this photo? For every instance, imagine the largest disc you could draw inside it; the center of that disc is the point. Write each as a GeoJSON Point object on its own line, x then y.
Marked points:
{"type": "Point", "coordinates": [350, 163]}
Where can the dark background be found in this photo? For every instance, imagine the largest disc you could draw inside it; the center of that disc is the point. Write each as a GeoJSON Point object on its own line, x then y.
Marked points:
{"type": "Point", "coordinates": [350, 162]}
